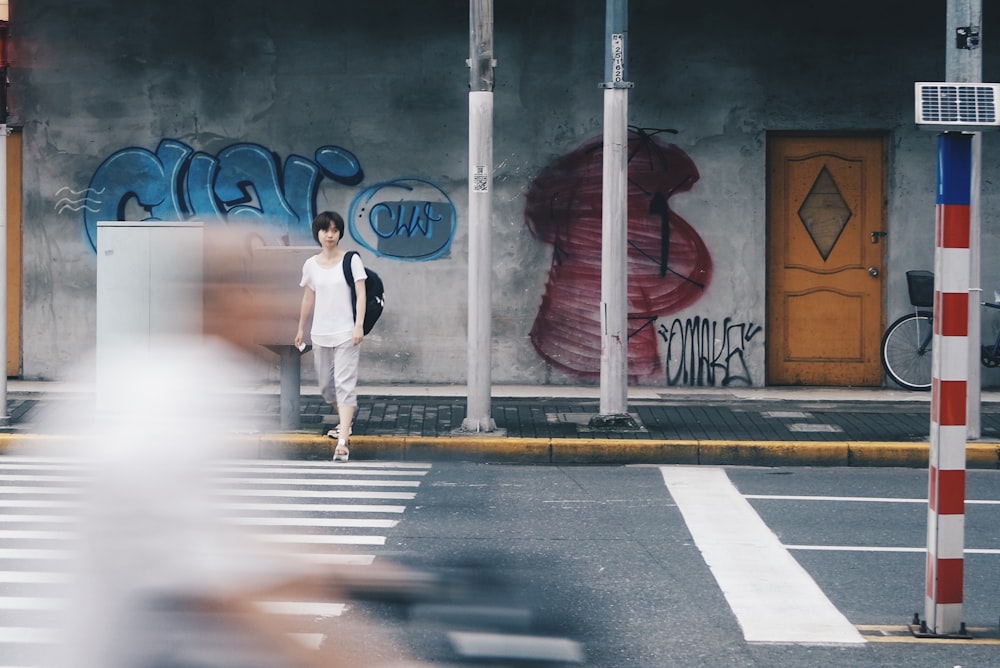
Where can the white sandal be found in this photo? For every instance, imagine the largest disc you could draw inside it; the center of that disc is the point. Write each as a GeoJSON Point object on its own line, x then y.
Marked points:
{"type": "Point", "coordinates": [341, 453]}
{"type": "Point", "coordinates": [335, 432]}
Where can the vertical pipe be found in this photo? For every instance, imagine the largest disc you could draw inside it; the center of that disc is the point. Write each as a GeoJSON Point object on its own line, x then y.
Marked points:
{"type": "Point", "coordinates": [614, 216]}
{"type": "Point", "coordinates": [949, 395]}
{"type": "Point", "coordinates": [481, 64]}
{"type": "Point", "coordinates": [964, 64]}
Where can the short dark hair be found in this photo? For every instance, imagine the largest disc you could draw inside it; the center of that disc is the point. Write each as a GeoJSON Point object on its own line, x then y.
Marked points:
{"type": "Point", "coordinates": [323, 221]}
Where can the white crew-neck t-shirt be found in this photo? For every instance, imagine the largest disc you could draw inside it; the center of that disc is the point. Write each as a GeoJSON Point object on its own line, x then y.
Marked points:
{"type": "Point", "coordinates": [333, 315]}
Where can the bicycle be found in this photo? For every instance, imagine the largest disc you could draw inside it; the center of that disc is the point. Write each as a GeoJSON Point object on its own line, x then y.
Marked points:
{"type": "Point", "coordinates": [906, 343]}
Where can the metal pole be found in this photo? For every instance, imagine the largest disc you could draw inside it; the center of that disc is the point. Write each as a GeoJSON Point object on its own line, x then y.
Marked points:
{"type": "Point", "coordinates": [964, 64]}
{"type": "Point", "coordinates": [614, 217]}
{"type": "Point", "coordinates": [950, 387]}
{"type": "Point", "coordinates": [481, 64]}
{"type": "Point", "coordinates": [955, 378]}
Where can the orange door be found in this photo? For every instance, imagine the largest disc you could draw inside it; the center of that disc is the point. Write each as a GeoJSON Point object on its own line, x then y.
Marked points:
{"type": "Point", "coordinates": [14, 253]}
{"type": "Point", "coordinates": [825, 229]}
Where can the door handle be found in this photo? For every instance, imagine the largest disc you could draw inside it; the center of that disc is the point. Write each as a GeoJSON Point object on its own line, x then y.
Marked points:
{"type": "Point", "coordinates": [878, 235]}
{"type": "Point", "coordinates": [873, 271]}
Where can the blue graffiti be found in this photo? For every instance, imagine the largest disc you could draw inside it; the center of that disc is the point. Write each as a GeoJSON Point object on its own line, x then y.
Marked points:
{"type": "Point", "coordinates": [412, 228]}
{"type": "Point", "coordinates": [243, 182]}
{"type": "Point", "coordinates": [248, 183]}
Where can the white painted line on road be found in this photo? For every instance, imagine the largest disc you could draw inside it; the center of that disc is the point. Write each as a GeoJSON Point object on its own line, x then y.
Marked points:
{"type": "Point", "coordinates": [302, 608]}
{"type": "Point", "coordinates": [31, 603]}
{"type": "Point", "coordinates": [322, 471]}
{"type": "Point", "coordinates": [34, 553]}
{"type": "Point", "coordinates": [35, 477]}
{"type": "Point", "coordinates": [17, 635]}
{"type": "Point", "coordinates": [36, 503]}
{"type": "Point", "coordinates": [36, 519]}
{"type": "Point", "coordinates": [771, 595]}
{"type": "Point", "coordinates": [492, 646]}
{"type": "Point", "coordinates": [24, 534]}
{"type": "Point", "coordinates": [317, 539]}
{"type": "Point", "coordinates": [40, 490]}
{"type": "Point", "coordinates": [320, 482]}
{"type": "Point", "coordinates": [278, 463]}
{"type": "Point", "coordinates": [336, 559]}
{"type": "Point", "coordinates": [862, 499]}
{"type": "Point", "coordinates": [308, 494]}
{"type": "Point", "coordinates": [33, 577]}
{"type": "Point", "coordinates": [315, 522]}
{"type": "Point", "coordinates": [314, 507]}
{"type": "Point", "coordinates": [875, 548]}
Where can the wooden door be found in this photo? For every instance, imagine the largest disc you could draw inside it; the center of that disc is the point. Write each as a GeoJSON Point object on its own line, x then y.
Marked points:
{"type": "Point", "coordinates": [825, 227]}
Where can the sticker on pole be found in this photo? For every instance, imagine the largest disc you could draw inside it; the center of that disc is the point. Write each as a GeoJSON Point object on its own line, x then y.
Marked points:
{"type": "Point", "coordinates": [480, 179]}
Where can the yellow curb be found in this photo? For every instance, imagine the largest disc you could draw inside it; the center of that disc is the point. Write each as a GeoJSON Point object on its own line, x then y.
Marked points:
{"type": "Point", "coordinates": [299, 445]}
{"type": "Point", "coordinates": [876, 453]}
{"type": "Point", "coordinates": [619, 451]}
{"type": "Point", "coordinates": [774, 453]}
{"type": "Point", "coordinates": [479, 448]}
{"type": "Point", "coordinates": [982, 455]}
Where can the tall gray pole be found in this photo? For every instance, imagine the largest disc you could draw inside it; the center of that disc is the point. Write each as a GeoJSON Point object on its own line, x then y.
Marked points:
{"type": "Point", "coordinates": [614, 218]}
{"type": "Point", "coordinates": [481, 64]}
{"type": "Point", "coordinates": [964, 64]}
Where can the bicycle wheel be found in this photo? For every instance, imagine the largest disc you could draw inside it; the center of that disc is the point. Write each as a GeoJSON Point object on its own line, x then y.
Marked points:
{"type": "Point", "coordinates": [906, 350]}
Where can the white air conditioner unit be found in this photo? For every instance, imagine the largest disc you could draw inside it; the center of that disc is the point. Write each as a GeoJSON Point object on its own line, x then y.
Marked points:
{"type": "Point", "coordinates": [957, 106]}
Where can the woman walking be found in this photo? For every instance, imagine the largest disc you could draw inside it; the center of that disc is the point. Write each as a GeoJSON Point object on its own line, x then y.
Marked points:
{"type": "Point", "coordinates": [337, 325]}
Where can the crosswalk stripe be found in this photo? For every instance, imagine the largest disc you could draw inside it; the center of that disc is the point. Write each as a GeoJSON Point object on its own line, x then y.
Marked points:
{"type": "Point", "coordinates": [34, 553]}
{"type": "Point", "coordinates": [332, 494]}
{"type": "Point", "coordinates": [298, 608]}
{"type": "Point", "coordinates": [314, 507]}
{"type": "Point", "coordinates": [31, 603]}
{"type": "Point", "coordinates": [773, 598]}
{"type": "Point", "coordinates": [317, 539]}
{"type": "Point", "coordinates": [316, 522]}
{"type": "Point", "coordinates": [312, 482]}
{"type": "Point", "coordinates": [324, 471]}
{"type": "Point", "coordinates": [33, 577]}
{"type": "Point", "coordinates": [278, 502]}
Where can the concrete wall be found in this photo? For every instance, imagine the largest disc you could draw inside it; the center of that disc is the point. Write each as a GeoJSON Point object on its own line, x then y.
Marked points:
{"type": "Point", "coordinates": [128, 108]}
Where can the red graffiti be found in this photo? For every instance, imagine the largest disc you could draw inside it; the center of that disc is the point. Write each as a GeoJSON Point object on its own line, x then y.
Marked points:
{"type": "Point", "coordinates": [669, 266]}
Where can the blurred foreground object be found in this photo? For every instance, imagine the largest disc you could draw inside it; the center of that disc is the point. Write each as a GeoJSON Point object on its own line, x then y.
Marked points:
{"type": "Point", "coordinates": [160, 576]}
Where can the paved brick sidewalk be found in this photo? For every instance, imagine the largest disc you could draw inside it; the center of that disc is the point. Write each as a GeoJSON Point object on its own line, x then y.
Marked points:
{"type": "Point", "coordinates": [677, 420]}
{"type": "Point", "coordinates": [702, 418]}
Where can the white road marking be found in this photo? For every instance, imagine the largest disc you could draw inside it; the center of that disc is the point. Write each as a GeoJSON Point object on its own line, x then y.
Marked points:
{"type": "Point", "coordinates": [43, 496]}
{"type": "Point", "coordinates": [316, 482]}
{"type": "Point", "coordinates": [341, 522]}
{"type": "Point", "coordinates": [771, 595]}
{"type": "Point", "coordinates": [309, 494]}
{"type": "Point", "coordinates": [875, 548]}
{"type": "Point", "coordinates": [862, 499]}
{"type": "Point", "coordinates": [302, 608]}
{"type": "Point", "coordinates": [33, 577]}
{"type": "Point", "coordinates": [314, 507]}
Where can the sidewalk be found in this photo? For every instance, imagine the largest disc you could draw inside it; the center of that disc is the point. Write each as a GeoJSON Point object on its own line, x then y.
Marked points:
{"type": "Point", "coordinates": [552, 424]}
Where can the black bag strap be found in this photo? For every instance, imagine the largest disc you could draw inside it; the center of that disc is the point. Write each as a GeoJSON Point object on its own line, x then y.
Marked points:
{"type": "Point", "coordinates": [349, 277]}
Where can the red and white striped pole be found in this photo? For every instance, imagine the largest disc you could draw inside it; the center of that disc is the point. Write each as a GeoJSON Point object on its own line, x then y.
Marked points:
{"type": "Point", "coordinates": [950, 374]}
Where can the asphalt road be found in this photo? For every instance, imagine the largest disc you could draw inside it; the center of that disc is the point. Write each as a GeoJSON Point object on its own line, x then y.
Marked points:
{"type": "Point", "coordinates": [613, 558]}
{"type": "Point", "coordinates": [603, 555]}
